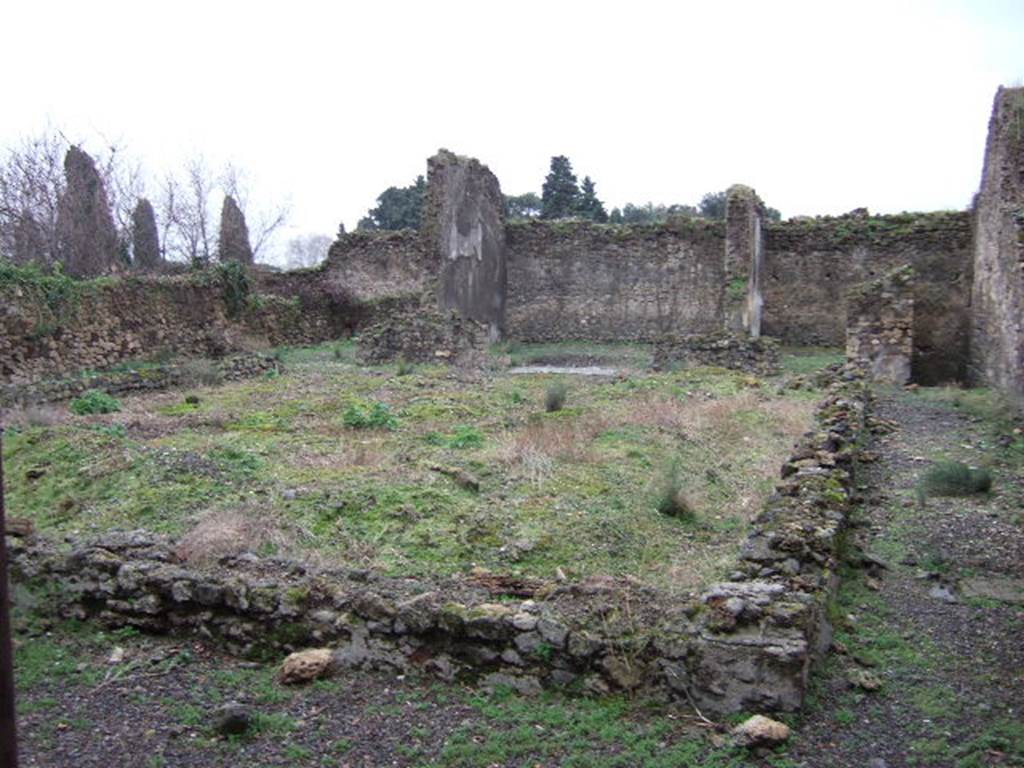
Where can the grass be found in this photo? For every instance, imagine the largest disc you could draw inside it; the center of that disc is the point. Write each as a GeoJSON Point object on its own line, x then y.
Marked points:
{"type": "Point", "coordinates": [804, 360]}
{"type": "Point", "coordinates": [671, 500]}
{"type": "Point", "coordinates": [335, 461]}
{"type": "Point", "coordinates": [555, 396]}
{"type": "Point", "coordinates": [954, 478]}
{"type": "Point", "coordinates": [93, 401]}
{"type": "Point", "coordinates": [601, 733]}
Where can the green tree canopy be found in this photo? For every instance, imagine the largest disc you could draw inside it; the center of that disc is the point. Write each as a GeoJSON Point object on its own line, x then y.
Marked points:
{"type": "Point", "coordinates": [712, 205]}
{"type": "Point", "coordinates": [649, 213]}
{"type": "Point", "coordinates": [588, 206]}
{"type": "Point", "coordinates": [397, 208]}
{"type": "Point", "coordinates": [560, 195]}
{"type": "Point", "coordinates": [526, 206]}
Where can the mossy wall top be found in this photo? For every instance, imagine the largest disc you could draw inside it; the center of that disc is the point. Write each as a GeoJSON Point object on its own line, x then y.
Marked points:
{"type": "Point", "coordinates": [52, 325]}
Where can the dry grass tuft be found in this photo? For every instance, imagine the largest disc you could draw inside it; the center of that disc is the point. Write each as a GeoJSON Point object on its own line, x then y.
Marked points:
{"type": "Point", "coordinates": [539, 445]}
{"type": "Point", "coordinates": [24, 416]}
{"type": "Point", "coordinates": [230, 532]}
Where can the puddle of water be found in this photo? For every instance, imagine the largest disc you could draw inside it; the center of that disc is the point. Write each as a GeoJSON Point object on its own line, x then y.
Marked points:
{"type": "Point", "coordinates": [578, 370]}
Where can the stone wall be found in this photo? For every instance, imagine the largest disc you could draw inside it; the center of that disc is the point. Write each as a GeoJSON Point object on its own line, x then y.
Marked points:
{"type": "Point", "coordinates": [464, 222]}
{"type": "Point", "coordinates": [51, 329]}
{"type": "Point", "coordinates": [744, 644]}
{"type": "Point", "coordinates": [144, 379]}
{"type": "Point", "coordinates": [744, 260]}
{"type": "Point", "coordinates": [810, 265]}
{"type": "Point", "coordinates": [579, 280]}
{"type": "Point", "coordinates": [880, 326]}
{"type": "Point", "coordinates": [997, 330]}
{"type": "Point", "coordinates": [735, 351]}
{"type": "Point", "coordinates": [423, 334]}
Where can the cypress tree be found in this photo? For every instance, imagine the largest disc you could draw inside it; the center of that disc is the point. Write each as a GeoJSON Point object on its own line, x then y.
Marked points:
{"type": "Point", "coordinates": [560, 195]}
{"type": "Point", "coordinates": [145, 240]}
{"type": "Point", "coordinates": [87, 242]}
{"type": "Point", "coordinates": [233, 244]}
{"type": "Point", "coordinates": [589, 206]}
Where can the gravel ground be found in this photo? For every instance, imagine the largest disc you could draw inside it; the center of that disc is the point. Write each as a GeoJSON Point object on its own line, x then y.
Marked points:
{"type": "Point", "coordinates": [951, 667]}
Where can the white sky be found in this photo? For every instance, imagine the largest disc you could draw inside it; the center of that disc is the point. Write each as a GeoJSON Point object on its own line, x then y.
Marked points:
{"type": "Point", "coordinates": [821, 106]}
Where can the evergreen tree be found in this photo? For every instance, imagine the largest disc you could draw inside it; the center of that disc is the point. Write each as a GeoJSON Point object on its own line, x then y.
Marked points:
{"type": "Point", "coordinates": [145, 240]}
{"type": "Point", "coordinates": [233, 244]}
{"type": "Point", "coordinates": [397, 208]}
{"type": "Point", "coordinates": [87, 242]}
{"type": "Point", "coordinates": [560, 195]}
{"type": "Point", "coordinates": [588, 206]}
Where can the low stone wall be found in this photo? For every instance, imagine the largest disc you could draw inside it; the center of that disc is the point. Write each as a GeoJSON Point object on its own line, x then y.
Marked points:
{"type": "Point", "coordinates": [879, 333]}
{"type": "Point", "coordinates": [142, 380]}
{"type": "Point", "coordinates": [418, 333]}
{"type": "Point", "coordinates": [760, 633]}
{"type": "Point", "coordinates": [725, 350]}
{"type": "Point", "coordinates": [745, 644]}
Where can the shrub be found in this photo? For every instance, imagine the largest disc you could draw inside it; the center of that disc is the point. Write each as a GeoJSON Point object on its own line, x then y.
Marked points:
{"type": "Point", "coordinates": [554, 397]}
{"type": "Point", "coordinates": [377, 416]}
{"type": "Point", "coordinates": [234, 283]}
{"type": "Point", "coordinates": [952, 478]}
{"type": "Point", "coordinates": [466, 437]}
{"type": "Point", "coordinates": [200, 372]}
{"type": "Point", "coordinates": [670, 498]}
{"type": "Point", "coordinates": [94, 401]}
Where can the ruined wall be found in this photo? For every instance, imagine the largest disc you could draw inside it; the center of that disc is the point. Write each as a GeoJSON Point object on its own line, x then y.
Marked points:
{"type": "Point", "coordinates": [744, 260]}
{"type": "Point", "coordinates": [997, 328]}
{"type": "Point", "coordinates": [579, 280]}
{"type": "Point", "coordinates": [744, 644]}
{"type": "Point", "coordinates": [464, 223]}
{"type": "Point", "coordinates": [810, 264]}
{"type": "Point", "coordinates": [879, 334]}
{"type": "Point", "coordinates": [53, 327]}
{"type": "Point", "coordinates": [363, 267]}
{"type": "Point", "coordinates": [142, 379]}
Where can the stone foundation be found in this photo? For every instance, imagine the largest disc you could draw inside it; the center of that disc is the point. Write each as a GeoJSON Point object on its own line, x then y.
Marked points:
{"type": "Point", "coordinates": [748, 643]}
{"type": "Point", "coordinates": [421, 334]}
{"type": "Point", "coordinates": [132, 381]}
{"type": "Point", "coordinates": [724, 350]}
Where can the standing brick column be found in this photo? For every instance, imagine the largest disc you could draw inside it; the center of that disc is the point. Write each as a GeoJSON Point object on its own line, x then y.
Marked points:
{"type": "Point", "coordinates": [464, 224]}
{"type": "Point", "coordinates": [744, 261]}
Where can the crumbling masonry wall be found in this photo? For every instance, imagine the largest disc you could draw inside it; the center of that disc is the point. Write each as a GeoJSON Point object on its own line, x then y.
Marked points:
{"type": "Point", "coordinates": [811, 264]}
{"type": "Point", "coordinates": [879, 333]}
{"type": "Point", "coordinates": [580, 280]}
{"type": "Point", "coordinates": [98, 324]}
{"type": "Point", "coordinates": [997, 330]}
{"type": "Point", "coordinates": [464, 222]}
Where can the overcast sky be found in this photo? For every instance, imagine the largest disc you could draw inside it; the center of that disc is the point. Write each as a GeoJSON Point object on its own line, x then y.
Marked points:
{"type": "Point", "coordinates": [822, 107]}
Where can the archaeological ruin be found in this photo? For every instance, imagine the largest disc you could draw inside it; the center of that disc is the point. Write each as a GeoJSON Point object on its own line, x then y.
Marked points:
{"type": "Point", "coordinates": [924, 298]}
